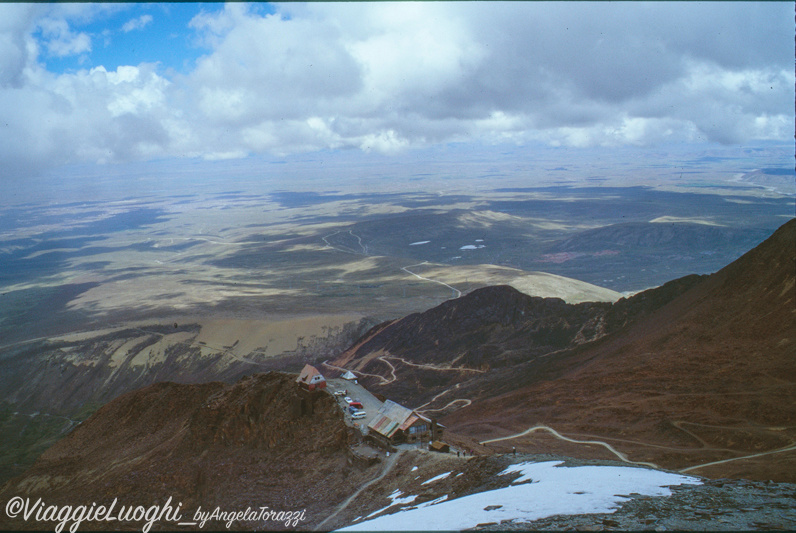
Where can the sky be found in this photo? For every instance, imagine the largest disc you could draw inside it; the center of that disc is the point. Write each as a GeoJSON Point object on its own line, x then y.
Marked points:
{"type": "Point", "coordinates": [121, 83]}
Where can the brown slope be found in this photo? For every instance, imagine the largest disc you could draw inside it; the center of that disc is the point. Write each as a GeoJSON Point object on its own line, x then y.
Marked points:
{"type": "Point", "coordinates": [489, 341]}
{"type": "Point", "coordinates": [232, 446]}
{"type": "Point", "coordinates": [489, 330]}
{"type": "Point", "coordinates": [709, 376]}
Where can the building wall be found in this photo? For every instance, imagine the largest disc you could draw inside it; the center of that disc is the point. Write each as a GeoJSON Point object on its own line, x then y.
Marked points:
{"type": "Point", "coordinates": [420, 430]}
{"type": "Point", "coordinates": [380, 441]}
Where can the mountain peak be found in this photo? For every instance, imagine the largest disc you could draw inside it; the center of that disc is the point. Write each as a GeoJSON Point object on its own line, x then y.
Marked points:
{"type": "Point", "coordinates": [213, 444]}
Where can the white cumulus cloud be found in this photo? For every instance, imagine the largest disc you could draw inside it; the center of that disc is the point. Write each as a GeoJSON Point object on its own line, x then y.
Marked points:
{"type": "Point", "coordinates": [386, 76]}
{"type": "Point", "coordinates": [138, 23]}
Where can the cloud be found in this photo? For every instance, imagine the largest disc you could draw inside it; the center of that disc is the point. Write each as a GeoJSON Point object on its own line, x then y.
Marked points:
{"type": "Point", "coordinates": [60, 41]}
{"type": "Point", "coordinates": [92, 115]}
{"type": "Point", "coordinates": [386, 77]}
{"type": "Point", "coordinates": [16, 52]}
{"type": "Point", "coordinates": [137, 23]}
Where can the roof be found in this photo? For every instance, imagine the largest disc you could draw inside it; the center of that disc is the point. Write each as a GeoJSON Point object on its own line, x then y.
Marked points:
{"type": "Point", "coordinates": [309, 374]}
{"type": "Point", "coordinates": [391, 417]}
{"type": "Point", "coordinates": [349, 375]}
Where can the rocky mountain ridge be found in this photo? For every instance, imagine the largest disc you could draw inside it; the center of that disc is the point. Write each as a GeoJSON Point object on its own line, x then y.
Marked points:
{"type": "Point", "coordinates": [49, 386]}
{"type": "Point", "coordinates": [258, 442]}
{"type": "Point", "coordinates": [696, 372]}
{"type": "Point", "coordinates": [493, 337]}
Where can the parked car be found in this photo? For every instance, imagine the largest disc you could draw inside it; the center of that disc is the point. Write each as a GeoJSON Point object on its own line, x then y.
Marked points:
{"type": "Point", "coordinates": [359, 414]}
{"type": "Point", "coordinates": [347, 400]}
{"type": "Point", "coordinates": [356, 404]}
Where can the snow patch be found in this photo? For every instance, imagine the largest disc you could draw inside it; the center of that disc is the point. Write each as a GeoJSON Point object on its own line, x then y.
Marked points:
{"type": "Point", "coordinates": [396, 498]}
{"type": "Point", "coordinates": [433, 502]}
{"type": "Point", "coordinates": [552, 490]}
{"type": "Point", "coordinates": [436, 478]}
{"type": "Point", "coordinates": [418, 243]}
{"type": "Point", "coordinates": [472, 247]}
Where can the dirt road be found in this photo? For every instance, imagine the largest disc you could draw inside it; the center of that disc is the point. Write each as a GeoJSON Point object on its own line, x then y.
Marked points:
{"type": "Point", "coordinates": [558, 435]}
{"type": "Point", "coordinates": [456, 292]}
{"type": "Point", "coordinates": [387, 465]}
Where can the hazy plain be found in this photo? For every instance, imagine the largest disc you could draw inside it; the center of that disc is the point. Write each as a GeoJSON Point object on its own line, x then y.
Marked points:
{"type": "Point", "coordinates": [267, 239]}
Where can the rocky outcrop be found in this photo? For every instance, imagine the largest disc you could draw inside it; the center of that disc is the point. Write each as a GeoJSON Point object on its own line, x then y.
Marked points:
{"type": "Point", "coordinates": [259, 442]}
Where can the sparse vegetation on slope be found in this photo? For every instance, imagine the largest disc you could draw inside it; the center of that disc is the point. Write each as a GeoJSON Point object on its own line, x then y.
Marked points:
{"type": "Point", "coordinates": [697, 371]}
{"type": "Point", "coordinates": [258, 442]}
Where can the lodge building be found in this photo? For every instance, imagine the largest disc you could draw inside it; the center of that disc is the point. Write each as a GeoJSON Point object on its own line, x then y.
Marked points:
{"type": "Point", "coordinates": [395, 424]}
{"type": "Point", "coordinates": [311, 379]}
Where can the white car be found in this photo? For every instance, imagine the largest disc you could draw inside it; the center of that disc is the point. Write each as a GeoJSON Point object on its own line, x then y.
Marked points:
{"type": "Point", "coordinates": [359, 414]}
{"type": "Point", "coordinates": [347, 400]}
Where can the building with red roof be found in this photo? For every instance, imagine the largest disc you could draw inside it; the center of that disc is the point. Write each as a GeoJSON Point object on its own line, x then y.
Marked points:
{"type": "Point", "coordinates": [311, 379]}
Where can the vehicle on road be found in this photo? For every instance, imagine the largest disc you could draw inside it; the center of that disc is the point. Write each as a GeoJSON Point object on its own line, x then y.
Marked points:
{"type": "Point", "coordinates": [347, 400]}
{"type": "Point", "coordinates": [359, 414]}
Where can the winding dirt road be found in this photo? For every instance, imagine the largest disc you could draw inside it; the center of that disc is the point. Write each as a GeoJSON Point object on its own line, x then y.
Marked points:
{"type": "Point", "coordinates": [558, 435]}
{"type": "Point", "coordinates": [457, 292]}
{"type": "Point", "coordinates": [465, 400]}
{"type": "Point", "coordinates": [432, 367]}
{"type": "Point", "coordinates": [389, 463]}
{"type": "Point", "coordinates": [393, 376]}
{"type": "Point", "coordinates": [384, 381]}
{"type": "Point", "coordinates": [364, 251]}
{"type": "Point", "coordinates": [432, 400]}
{"type": "Point", "coordinates": [780, 450]}
{"type": "Point", "coordinates": [346, 249]}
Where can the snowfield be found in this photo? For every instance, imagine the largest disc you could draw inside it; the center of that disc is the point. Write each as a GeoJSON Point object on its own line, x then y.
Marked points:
{"type": "Point", "coordinates": [543, 489]}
